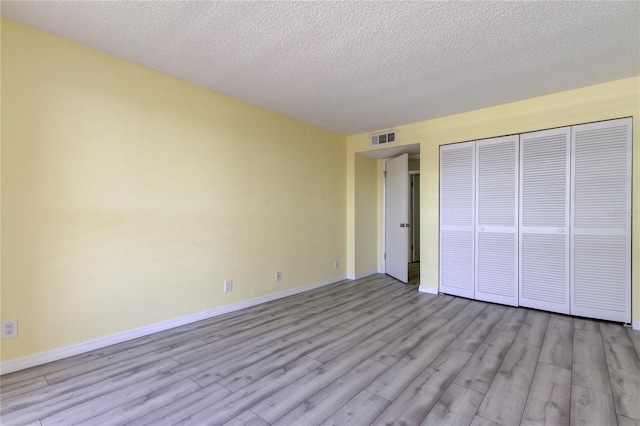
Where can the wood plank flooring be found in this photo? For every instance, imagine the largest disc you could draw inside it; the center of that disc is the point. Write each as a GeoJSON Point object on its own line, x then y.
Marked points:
{"type": "Point", "coordinates": [372, 351]}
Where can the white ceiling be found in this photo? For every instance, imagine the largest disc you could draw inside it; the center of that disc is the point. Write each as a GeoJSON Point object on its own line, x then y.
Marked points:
{"type": "Point", "coordinates": [360, 66]}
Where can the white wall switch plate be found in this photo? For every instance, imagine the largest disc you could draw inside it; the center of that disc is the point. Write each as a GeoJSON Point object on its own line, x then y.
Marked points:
{"type": "Point", "coordinates": [228, 286]}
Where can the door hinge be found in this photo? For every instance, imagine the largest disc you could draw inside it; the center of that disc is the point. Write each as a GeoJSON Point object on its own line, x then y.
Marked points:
{"type": "Point", "coordinates": [385, 174]}
{"type": "Point", "coordinates": [384, 256]}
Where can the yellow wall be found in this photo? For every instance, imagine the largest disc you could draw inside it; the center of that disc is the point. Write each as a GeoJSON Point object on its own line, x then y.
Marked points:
{"type": "Point", "coordinates": [129, 196]}
{"type": "Point", "coordinates": [605, 101]}
{"type": "Point", "coordinates": [366, 202]}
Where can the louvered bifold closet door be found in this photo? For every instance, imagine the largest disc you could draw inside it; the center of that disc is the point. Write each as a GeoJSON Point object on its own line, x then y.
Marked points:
{"type": "Point", "coordinates": [457, 188]}
{"type": "Point", "coordinates": [496, 266]}
{"type": "Point", "coordinates": [544, 220]}
{"type": "Point", "coordinates": [601, 220]}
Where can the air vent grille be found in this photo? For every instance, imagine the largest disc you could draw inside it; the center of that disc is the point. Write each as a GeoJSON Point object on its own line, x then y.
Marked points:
{"type": "Point", "coordinates": [383, 138]}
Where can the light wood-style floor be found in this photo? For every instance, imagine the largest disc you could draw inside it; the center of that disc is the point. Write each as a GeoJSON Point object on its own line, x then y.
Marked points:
{"type": "Point", "coordinates": [372, 351]}
{"type": "Point", "coordinates": [414, 273]}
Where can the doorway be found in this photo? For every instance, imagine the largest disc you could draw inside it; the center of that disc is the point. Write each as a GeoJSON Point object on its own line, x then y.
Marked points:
{"type": "Point", "coordinates": [414, 221]}
{"type": "Point", "coordinates": [367, 208]}
{"type": "Point", "coordinates": [401, 225]}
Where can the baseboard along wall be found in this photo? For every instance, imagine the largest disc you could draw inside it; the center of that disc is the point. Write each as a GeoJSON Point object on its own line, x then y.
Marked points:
{"type": "Point", "coordinates": [101, 342]}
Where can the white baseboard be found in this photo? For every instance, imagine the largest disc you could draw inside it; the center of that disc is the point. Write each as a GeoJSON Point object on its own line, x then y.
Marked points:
{"type": "Point", "coordinates": [636, 325]}
{"type": "Point", "coordinates": [425, 289]}
{"type": "Point", "coordinates": [101, 342]}
{"type": "Point", "coordinates": [366, 274]}
{"type": "Point", "coordinates": [363, 274]}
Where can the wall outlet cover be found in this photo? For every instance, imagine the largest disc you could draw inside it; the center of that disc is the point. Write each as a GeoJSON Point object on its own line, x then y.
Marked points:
{"type": "Point", "coordinates": [10, 329]}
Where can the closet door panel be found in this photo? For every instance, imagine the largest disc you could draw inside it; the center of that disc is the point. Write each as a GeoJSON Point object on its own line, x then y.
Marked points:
{"type": "Point", "coordinates": [457, 192]}
{"type": "Point", "coordinates": [496, 267]}
{"type": "Point", "coordinates": [601, 220]}
{"type": "Point", "coordinates": [544, 218]}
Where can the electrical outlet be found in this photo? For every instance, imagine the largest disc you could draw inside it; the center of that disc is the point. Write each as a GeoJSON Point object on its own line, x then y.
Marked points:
{"type": "Point", "coordinates": [335, 264]}
{"type": "Point", "coordinates": [278, 276]}
{"type": "Point", "coordinates": [10, 329]}
{"type": "Point", "coordinates": [228, 286]}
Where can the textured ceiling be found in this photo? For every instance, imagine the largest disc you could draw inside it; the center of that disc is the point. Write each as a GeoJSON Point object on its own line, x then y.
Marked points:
{"type": "Point", "coordinates": [360, 66]}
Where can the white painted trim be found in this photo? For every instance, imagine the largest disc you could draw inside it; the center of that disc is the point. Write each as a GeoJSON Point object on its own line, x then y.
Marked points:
{"type": "Point", "coordinates": [383, 218]}
{"type": "Point", "coordinates": [636, 325]}
{"type": "Point", "coordinates": [101, 342]}
{"type": "Point", "coordinates": [425, 289]}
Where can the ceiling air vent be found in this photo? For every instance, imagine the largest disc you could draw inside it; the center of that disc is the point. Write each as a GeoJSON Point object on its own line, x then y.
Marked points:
{"type": "Point", "coordinates": [383, 138]}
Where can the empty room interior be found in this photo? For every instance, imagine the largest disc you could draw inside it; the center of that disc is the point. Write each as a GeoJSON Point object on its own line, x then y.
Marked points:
{"type": "Point", "coordinates": [320, 213]}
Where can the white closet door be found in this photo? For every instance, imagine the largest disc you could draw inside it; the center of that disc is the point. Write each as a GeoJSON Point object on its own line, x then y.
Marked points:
{"type": "Point", "coordinates": [496, 265]}
{"type": "Point", "coordinates": [457, 189]}
{"type": "Point", "coordinates": [544, 220]}
{"type": "Point", "coordinates": [601, 220]}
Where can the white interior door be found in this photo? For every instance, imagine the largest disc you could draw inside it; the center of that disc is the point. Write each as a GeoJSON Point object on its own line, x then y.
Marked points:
{"type": "Point", "coordinates": [397, 217]}
{"type": "Point", "coordinates": [457, 196]}
{"type": "Point", "coordinates": [496, 265]}
{"type": "Point", "coordinates": [544, 219]}
{"type": "Point", "coordinates": [601, 220]}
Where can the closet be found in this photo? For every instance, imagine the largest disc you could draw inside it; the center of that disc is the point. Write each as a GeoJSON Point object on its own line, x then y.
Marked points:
{"type": "Point", "coordinates": [541, 219]}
